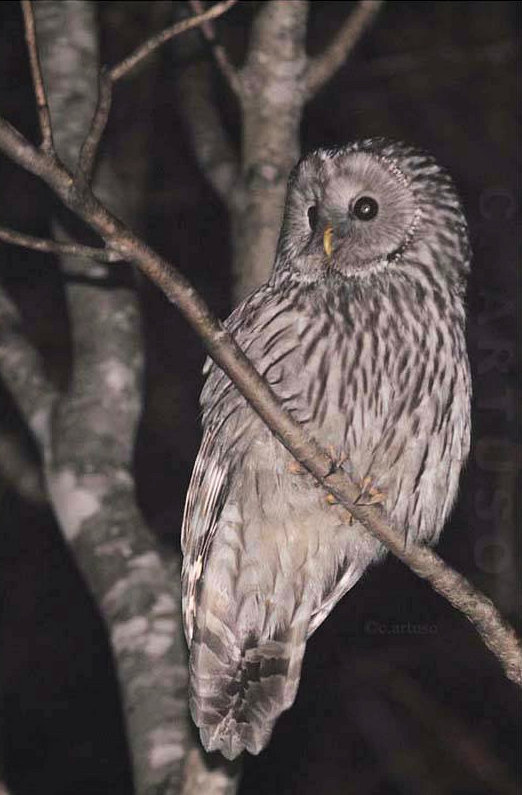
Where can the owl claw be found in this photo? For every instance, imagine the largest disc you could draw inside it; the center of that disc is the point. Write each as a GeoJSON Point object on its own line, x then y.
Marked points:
{"type": "Point", "coordinates": [369, 494]}
{"type": "Point", "coordinates": [331, 499]}
{"type": "Point", "coordinates": [295, 468]}
{"type": "Point", "coordinates": [338, 460]}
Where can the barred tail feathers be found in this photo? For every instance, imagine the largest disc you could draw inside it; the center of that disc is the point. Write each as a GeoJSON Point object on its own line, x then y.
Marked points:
{"type": "Point", "coordinates": [240, 685]}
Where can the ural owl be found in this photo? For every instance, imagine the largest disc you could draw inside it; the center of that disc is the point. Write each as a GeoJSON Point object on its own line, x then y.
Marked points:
{"type": "Point", "coordinates": [360, 332]}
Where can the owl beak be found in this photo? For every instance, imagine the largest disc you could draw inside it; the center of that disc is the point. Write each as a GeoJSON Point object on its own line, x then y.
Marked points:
{"type": "Point", "coordinates": [327, 240]}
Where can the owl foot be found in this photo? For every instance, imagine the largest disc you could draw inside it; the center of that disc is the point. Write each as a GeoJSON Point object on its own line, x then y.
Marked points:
{"type": "Point", "coordinates": [338, 460]}
{"type": "Point", "coordinates": [331, 499]}
{"type": "Point", "coordinates": [295, 468]}
{"type": "Point", "coordinates": [369, 494]}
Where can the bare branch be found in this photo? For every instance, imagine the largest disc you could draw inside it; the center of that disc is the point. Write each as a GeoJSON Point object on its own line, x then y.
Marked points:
{"type": "Point", "coordinates": [110, 76]}
{"type": "Point", "coordinates": [22, 370]}
{"type": "Point", "coordinates": [324, 66]}
{"type": "Point", "coordinates": [91, 143]}
{"type": "Point", "coordinates": [125, 66]}
{"type": "Point", "coordinates": [214, 153]}
{"type": "Point", "coordinates": [39, 89]}
{"type": "Point", "coordinates": [52, 247]}
{"type": "Point", "coordinates": [220, 54]}
{"type": "Point", "coordinates": [497, 635]}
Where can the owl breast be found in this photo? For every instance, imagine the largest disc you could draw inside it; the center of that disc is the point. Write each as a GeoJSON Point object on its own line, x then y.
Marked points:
{"type": "Point", "coordinates": [388, 398]}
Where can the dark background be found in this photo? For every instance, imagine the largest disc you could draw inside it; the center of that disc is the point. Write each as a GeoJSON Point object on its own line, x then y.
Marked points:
{"type": "Point", "coordinates": [398, 694]}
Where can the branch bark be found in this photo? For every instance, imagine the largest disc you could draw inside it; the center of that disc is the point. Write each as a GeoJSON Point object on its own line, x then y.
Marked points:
{"type": "Point", "coordinates": [272, 98]}
{"type": "Point", "coordinates": [52, 247]}
{"type": "Point", "coordinates": [497, 635]}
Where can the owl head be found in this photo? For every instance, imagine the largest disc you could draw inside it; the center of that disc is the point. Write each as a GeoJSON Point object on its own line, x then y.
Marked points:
{"type": "Point", "coordinates": [370, 207]}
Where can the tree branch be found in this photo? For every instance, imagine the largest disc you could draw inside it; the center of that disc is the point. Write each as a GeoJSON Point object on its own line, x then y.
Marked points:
{"type": "Point", "coordinates": [39, 90]}
{"type": "Point", "coordinates": [53, 247]}
{"type": "Point", "coordinates": [144, 50]}
{"type": "Point", "coordinates": [214, 153]}
{"type": "Point", "coordinates": [220, 54]}
{"type": "Point", "coordinates": [497, 635]}
{"type": "Point", "coordinates": [111, 75]}
{"type": "Point", "coordinates": [22, 370]}
{"type": "Point", "coordinates": [272, 101]}
{"type": "Point", "coordinates": [323, 67]}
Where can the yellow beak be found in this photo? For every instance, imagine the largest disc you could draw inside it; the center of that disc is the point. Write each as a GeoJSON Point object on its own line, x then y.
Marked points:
{"type": "Point", "coordinates": [327, 240]}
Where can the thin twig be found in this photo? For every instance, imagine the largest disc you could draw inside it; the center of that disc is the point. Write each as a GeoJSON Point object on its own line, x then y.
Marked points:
{"type": "Point", "coordinates": [41, 99]}
{"type": "Point", "coordinates": [109, 76]}
{"type": "Point", "coordinates": [220, 54]}
{"type": "Point", "coordinates": [91, 143]}
{"type": "Point", "coordinates": [495, 632]}
{"type": "Point", "coordinates": [52, 247]}
{"type": "Point", "coordinates": [160, 38]}
{"type": "Point", "coordinates": [323, 66]}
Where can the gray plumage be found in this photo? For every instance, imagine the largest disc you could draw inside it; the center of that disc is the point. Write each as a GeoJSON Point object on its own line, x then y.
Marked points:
{"type": "Point", "coordinates": [360, 332]}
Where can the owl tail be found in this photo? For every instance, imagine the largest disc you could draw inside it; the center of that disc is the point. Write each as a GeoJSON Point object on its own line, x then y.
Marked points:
{"type": "Point", "coordinates": [240, 686]}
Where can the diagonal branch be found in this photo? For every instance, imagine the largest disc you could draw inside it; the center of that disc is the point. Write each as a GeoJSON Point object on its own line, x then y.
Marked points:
{"type": "Point", "coordinates": [497, 635]}
{"type": "Point", "coordinates": [324, 66]}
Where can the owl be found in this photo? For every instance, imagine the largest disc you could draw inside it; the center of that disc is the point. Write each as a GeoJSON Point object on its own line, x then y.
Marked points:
{"type": "Point", "coordinates": [360, 333]}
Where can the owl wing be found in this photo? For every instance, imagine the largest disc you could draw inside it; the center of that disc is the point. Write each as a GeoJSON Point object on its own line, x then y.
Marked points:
{"type": "Point", "coordinates": [203, 506]}
{"type": "Point", "coordinates": [221, 404]}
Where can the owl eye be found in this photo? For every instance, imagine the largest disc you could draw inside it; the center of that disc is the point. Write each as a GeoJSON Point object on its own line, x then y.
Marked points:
{"type": "Point", "coordinates": [312, 217]}
{"type": "Point", "coordinates": [365, 208]}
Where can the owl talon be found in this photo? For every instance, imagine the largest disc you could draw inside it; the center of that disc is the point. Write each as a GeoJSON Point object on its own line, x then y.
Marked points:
{"type": "Point", "coordinates": [338, 460]}
{"type": "Point", "coordinates": [331, 499]}
{"type": "Point", "coordinates": [295, 468]}
{"type": "Point", "coordinates": [369, 494]}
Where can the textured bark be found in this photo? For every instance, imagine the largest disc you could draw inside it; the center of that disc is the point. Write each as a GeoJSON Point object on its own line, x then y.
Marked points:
{"type": "Point", "coordinates": [24, 373]}
{"type": "Point", "coordinates": [89, 472]}
{"type": "Point", "coordinates": [273, 85]}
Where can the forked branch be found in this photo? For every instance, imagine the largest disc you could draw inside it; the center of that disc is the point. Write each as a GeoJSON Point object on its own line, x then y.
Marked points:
{"type": "Point", "coordinates": [110, 76]}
